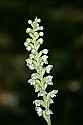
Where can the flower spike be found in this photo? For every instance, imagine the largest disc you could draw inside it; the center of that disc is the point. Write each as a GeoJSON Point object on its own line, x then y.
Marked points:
{"type": "Point", "coordinates": [36, 62]}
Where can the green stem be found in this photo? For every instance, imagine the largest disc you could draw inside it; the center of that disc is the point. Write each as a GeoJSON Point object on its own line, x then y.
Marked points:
{"type": "Point", "coordinates": [49, 122]}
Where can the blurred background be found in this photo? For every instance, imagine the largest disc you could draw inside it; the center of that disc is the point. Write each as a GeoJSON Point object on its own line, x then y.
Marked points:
{"type": "Point", "coordinates": [63, 28]}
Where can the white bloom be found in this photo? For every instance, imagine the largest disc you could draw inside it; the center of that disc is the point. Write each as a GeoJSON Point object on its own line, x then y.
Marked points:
{"type": "Point", "coordinates": [41, 28]}
{"type": "Point", "coordinates": [37, 25]}
{"type": "Point", "coordinates": [37, 88]}
{"type": "Point", "coordinates": [31, 81]}
{"type": "Point", "coordinates": [34, 76]}
{"type": "Point", "coordinates": [41, 33]}
{"type": "Point", "coordinates": [41, 93]}
{"type": "Point", "coordinates": [28, 48]}
{"type": "Point", "coordinates": [39, 111]}
{"type": "Point", "coordinates": [28, 30]}
{"type": "Point", "coordinates": [39, 20]}
{"type": "Point", "coordinates": [31, 67]}
{"type": "Point", "coordinates": [33, 51]}
{"type": "Point", "coordinates": [29, 61]}
{"type": "Point", "coordinates": [28, 40]}
{"type": "Point", "coordinates": [48, 68]}
{"type": "Point", "coordinates": [29, 21]}
{"type": "Point", "coordinates": [25, 44]}
{"type": "Point", "coordinates": [40, 41]}
{"type": "Point", "coordinates": [51, 101]}
{"type": "Point", "coordinates": [44, 57]}
{"type": "Point", "coordinates": [44, 51]}
{"type": "Point", "coordinates": [36, 33]}
{"type": "Point", "coordinates": [30, 64]}
{"type": "Point", "coordinates": [50, 83]}
{"type": "Point", "coordinates": [53, 93]}
{"type": "Point", "coordinates": [49, 80]}
{"type": "Point", "coordinates": [31, 56]}
{"type": "Point", "coordinates": [37, 102]}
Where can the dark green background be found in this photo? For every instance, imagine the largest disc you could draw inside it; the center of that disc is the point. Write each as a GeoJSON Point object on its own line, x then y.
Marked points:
{"type": "Point", "coordinates": [63, 29]}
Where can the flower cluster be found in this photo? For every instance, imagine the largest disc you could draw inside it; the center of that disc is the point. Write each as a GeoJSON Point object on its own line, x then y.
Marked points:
{"type": "Point", "coordinates": [38, 62]}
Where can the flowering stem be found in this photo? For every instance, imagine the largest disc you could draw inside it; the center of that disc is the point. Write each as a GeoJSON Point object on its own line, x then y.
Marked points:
{"type": "Point", "coordinates": [36, 62]}
{"type": "Point", "coordinates": [49, 122]}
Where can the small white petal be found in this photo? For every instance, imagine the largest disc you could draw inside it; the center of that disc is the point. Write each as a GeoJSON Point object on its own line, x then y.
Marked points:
{"type": "Point", "coordinates": [25, 44]}
{"type": "Point", "coordinates": [34, 76]}
{"type": "Point", "coordinates": [51, 101]}
{"type": "Point", "coordinates": [33, 51]}
{"type": "Point", "coordinates": [31, 67]}
{"type": "Point", "coordinates": [28, 48]}
{"type": "Point", "coordinates": [29, 61]}
{"type": "Point", "coordinates": [49, 79]}
{"type": "Point", "coordinates": [40, 41]}
{"type": "Point", "coordinates": [53, 93]}
{"type": "Point", "coordinates": [41, 93]}
{"type": "Point", "coordinates": [45, 51]}
{"type": "Point", "coordinates": [31, 56]}
{"type": "Point", "coordinates": [36, 33]}
{"type": "Point", "coordinates": [39, 20]}
{"type": "Point", "coordinates": [41, 28]}
{"type": "Point", "coordinates": [41, 33]}
{"type": "Point", "coordinates": [28, 30]}
{"type": "Point", "coordinates": [44, 58]}
{"type": "Point", "coordinates": [37, 88]}
{"type": "Point", "coordinates": [48, 68]}
{"type": "Point", "coordinates": [37, 25]}
{"type": "Point", "coordinates": [50, 83]}
{"type": "Point", "coordinates": [29, 21]}
{"type": "Point", "coordinates": [31, 81]}
{"type": "Point", "coordinates": [37, 102]}
{"type": "Point", "coordinates": [39, 111]}
{"type": "Point", "coordinates": [28, 40]}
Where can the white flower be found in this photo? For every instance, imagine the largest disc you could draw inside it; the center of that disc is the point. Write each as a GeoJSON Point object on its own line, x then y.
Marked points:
{"type": "Point", "coordinates": [49, 80]}
{"type": "Point", "coordinates": [44, 51]}
{"type": "Point", "coordinates": [37, 88]}
{"type": "Point", "coordinates": [31, 67]}
{"type": "Point", "coordinates": [28, 30]}
{"type": "Point", "coordinates": [29, 61]}
{"type": "Point", "coordinates": [36, 34]}
{"type": "Point", "coordinates": [39, 111]}
{"type": "Point", "coordinates": [48, 68]}
{"type": "Point", "coordinates": [28, 40]}
{"type": "Point", "coordinates": [33, 51]}
{"type": "Point", "coordinates": [25, 44]}
{"type": "Point", "coordinates": [29, 21]}
{"type": "Point", "coordinates": [37, 25]}
{"type": "Point", "coordinates": [28, 48]}
{"type": "Point", "coordinates": [37, 102]}
{"type": "Point", "coordinates": [53, 93]}
{"type": "Point", "coordinates": [40, 41]}
{"type": "Point", "coordinates": [51, 101]}
{"type": "Point", "coordinates": [44, 57]}
{"type": "Point", "coordinates": [41, 33]}
{"type": "Point", "coordinates": [50, 83]}
{"type": "Point", "coordinates": [41, 28]}
{"type": "Point", "coordinates": [41, 93]}
{"type": "Point", "coordinates": [31, 56]}
{"type": "Point", "coordinates": [39, 20]}
{"type": "Point", "coordinates": [30, 64]}
{"type": "Point", "coordinates": [34, 76]}
{"type": "Point", "coordinates": [31, 81]}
